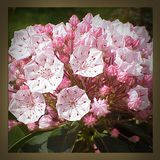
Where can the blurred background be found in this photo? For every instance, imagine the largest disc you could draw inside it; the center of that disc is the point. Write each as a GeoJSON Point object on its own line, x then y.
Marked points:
{"type": "Point", "coordinates": [20, 18]}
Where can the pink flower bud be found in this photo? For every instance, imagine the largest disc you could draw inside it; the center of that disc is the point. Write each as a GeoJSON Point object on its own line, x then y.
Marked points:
{"type": "Point", "coordinates": [88, 18]}
{"type": "Point", "coordinates": [58, 42]}
{"type": "Point", "coordinates": [32, 126]}
{"type": "Point", "coordinates": [70, 35]}
{"type": "Point", "coordinates": [111, 70]}
{"type": "Point", "coordinates": [39, 28]}
{"type": "Point", "coordinates": [24, 87]}
{"type": "Point", "coordinates": [9, 58]}
{"type": "Point", "coordinates": [64, 84]}
{"type": "Point", "coordinates": [46, 121]}
{"type": "Point", "coordinates": [89, 120]}
{"type": "Point", "coordinates": [104, 90]}
{"type": "Point", "coordinates": [115, 133]}
{"type": "Point", "coordinates": [52, 113]}
{"type": "Point", "coordinates": [67, 50]}
{"type": "Point", "coordinates": [74, 21]}
{"type": "Point", "coordinates": [122, 77]}
{"type": "Point", "coordinates": [12, 123]}
{"type": "Point", "coordinates": [64, 58]}
{"type": "Point", "coordinates": [96, 150]}
{"type": "Point", "coordinates": [135, 139]}
{"type": "Point", "coordinates": [19, 81]}
{"type": "Point", "coordinates": [135, 44]}
{"type": "Point", "coordinates": [85, 27]}
{"type": "Point", "coordinates": [48, 28]}
{"type": "Point", "coordinates": [21, 76]}
{"type": "Point", "coordinates": [97, 32]}
{"type": "Point", "coordinates": [128, 41]}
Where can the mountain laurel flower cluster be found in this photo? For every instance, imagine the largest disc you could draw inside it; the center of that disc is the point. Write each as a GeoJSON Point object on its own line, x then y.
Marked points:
{"type": "Point", "coordinates": [94, 71]}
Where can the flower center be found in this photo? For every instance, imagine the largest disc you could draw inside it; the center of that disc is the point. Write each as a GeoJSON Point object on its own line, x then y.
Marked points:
{"type": "Point", "coordinates": [45, 73]}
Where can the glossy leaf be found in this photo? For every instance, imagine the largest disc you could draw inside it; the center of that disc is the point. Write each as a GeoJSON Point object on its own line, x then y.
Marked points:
{"type": "Point", "coordinates": [37, 143]}
{"type": "Point", "coordinates": [63, 139]}
{"type": "Point", "coordinates": [16, 133]}
{"type": "Point", "coordinates": [106, 143]}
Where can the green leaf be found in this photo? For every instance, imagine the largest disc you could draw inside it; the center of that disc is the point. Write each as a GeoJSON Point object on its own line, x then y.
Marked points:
{"type": "Point", "coordinates": [81, 146]}
{"type": "Point", "coordinates": [16, 147]}
{"type": "Point", "coordinates": [58, 140]}
{"type": "Point", "coordinates": [11, 116]}
{"type": "Point", "coordinates": [140, 147]}
{"type": "Point", "coordinates": [105, 143]}
{"type": "Point", "coordinates": [63, 139]}
{"type": "Point", "coordinates": [16, 133]}
{"type": "Point", "coordinates": [37, 143]}
{"type": "Point", "coordinates": [137, 130]}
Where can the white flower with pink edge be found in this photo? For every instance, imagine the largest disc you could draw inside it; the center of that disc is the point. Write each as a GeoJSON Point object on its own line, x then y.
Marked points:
{"type": "Point", "coordinates": [72, 103]}
{"type": "Point", "coordinates": [27, 107]}
{"type": "Point", "coordinates": [87, 62]}
{"type": "Point", "coordinates": [44, 73]}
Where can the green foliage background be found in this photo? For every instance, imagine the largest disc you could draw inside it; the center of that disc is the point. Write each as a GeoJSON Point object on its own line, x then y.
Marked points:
{"type": "Point", "coordinates": [19, 18]}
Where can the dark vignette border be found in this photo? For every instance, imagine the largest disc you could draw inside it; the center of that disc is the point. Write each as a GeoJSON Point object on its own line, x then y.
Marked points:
{"type": "Point", "coordinates": [4, 76]}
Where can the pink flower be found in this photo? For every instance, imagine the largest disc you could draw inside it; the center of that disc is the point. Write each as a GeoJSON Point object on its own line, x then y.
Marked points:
{"type": "Point", "coordinates": [138, 98]}
{"type": "Point", "coordinates": [72, 103]}
{"type": "Point", "coordinates": [115, 133]}
{"type": "Point", "coordinates": [89, 120]}
{"type": "Point", "coordinates": [135, 139]}
{"type": "Point", "coordinates": [27, 107]}
{"type": "Point", "coordinates": [46, 121]}
{"type": "Point", "coordinates": [87, 62]}
{"type": "Point", "coordinates": [44, 74]}
{"type": "Point", "coordinates": [99, 107]}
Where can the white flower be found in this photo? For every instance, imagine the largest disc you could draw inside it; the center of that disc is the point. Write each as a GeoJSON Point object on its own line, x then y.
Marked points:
{"type": "Point", "coordinates": [72, 103]}
{"type": "Point", "coordinates": [27, 42]}
{"type": "Point", "coordinates": [87, 62]}
{"type": "Point", "coordinates": [97, 21]}
{"type": "Point", "coordinates": [129, 61]}
{"type": "Point", "coordinates": [44, 73]}
{"type": "Point", "coordinates": [59, 30]}
{"type": "Point", "coordinates": [27, 107]}
{"type": "Point", "coordinates": [20, 45]}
